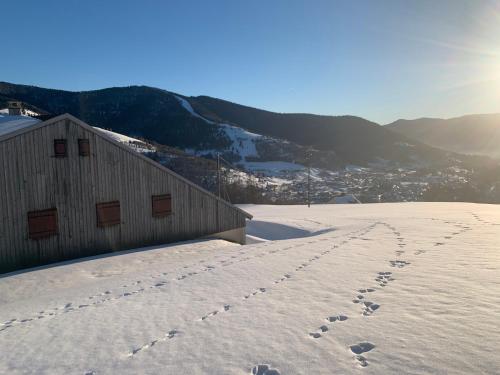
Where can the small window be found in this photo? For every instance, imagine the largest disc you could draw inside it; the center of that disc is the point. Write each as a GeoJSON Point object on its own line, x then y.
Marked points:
{"type": "Point", "coordinates": [60, 149]}
{"type": "Point", "coordinates": [83, 147]}
{"type": "Point", "coordinates": [162, 205]}
{"type": "Point", "coordinates": [108, 214]}
{"type": "Point", "coordinates": [42, 224]}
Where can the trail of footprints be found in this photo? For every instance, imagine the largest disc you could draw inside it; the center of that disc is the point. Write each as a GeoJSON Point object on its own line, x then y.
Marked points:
{"type": "Point", "coordinates": [261, 290]}
{"type": "Point", "coordinates": [383, 279]}
{"type": "Point", "coordinates": [70, 307]}
{"type": "Point", "coordinates": [168, 336]}
{"type": "Point", "coordinates": [98, 298]}
{"type": "Point", "coordinates": [225, 308]}
{"type": "Point", "coordinates": [107, 296]}
{"type": "Point", "coordinates": [368, 307]}
{"type": "Point", "coordinates": [481, 220]}
{"type": "Point", "coordinates": [213, 313]}
{"type": "Point", "coordinates": [104, 297]}
{"type": "Point", "coordinates": [325, 327]}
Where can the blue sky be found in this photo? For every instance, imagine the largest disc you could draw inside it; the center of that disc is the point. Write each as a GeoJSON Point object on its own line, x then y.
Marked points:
{"type": "Point", "coordinates": [381, 60]}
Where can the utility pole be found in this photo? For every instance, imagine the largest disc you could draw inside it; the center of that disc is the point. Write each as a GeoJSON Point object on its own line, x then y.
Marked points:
{"type": "Point", "coordinates": [308, 178]}
{"type": "Point", "coordinates": [218, 173]}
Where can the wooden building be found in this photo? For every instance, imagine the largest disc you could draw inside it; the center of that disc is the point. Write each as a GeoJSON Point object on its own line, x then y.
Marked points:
{"type": "Point", "coordinates": [69, 191]}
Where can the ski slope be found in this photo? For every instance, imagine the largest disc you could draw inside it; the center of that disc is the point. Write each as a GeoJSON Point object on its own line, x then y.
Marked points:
{"type": "Point", "coordinates": [403, 288]}
{"type": "Point", "coordinates": [242, 141]}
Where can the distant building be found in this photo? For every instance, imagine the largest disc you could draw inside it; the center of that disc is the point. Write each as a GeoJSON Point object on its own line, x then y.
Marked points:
{"type": "Point", "coordinates": [15, 108]}
{"type": "Point", "coordinates": [67, 190]}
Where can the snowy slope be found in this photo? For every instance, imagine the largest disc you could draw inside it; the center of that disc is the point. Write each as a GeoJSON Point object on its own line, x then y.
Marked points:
{"type": "Point", "coordinates": [410, 288]}
{"type": "Point", "coordinates": [185, 104]}
{"type": "Point", "coordinates": [242, 141]}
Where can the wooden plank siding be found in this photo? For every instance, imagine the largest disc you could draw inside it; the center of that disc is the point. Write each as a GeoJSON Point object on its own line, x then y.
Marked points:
{"type": "Point", "coordinates": [32, 179]}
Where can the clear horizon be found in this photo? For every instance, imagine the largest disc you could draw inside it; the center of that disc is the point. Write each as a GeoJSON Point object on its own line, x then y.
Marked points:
{"type": "Point", "coordinates": [381, 61]}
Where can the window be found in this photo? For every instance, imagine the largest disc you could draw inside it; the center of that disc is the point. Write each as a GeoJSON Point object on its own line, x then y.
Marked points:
{"type": "Point", "coordinates": [108, 214]}
{"type": "Point", "coordinates": [42, 224]}
{"type": "Point", "coordinates": [60, 149]}
{"type": "Point", "coordinates": [83, 147]}
{"type": "Point", "coordinates": [162, 205]}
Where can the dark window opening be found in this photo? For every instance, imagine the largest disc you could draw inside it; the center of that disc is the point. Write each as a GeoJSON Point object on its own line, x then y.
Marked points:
{"type": "Point", "coordinates": [162, 205]}
{"type": "Point", "coordinates": [42, 224]}
{"type": "Point", "coordinates": [83, 147]}
{"type": "Point", "coordinates": [60, 149]}
{"type": "Point", "coordinates": [108, 214]}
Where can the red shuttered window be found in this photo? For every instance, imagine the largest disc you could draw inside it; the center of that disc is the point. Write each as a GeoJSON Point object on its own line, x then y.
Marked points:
{"type": "Point", "coordinates": [60, 148]}
{"type": "Point", "coordinates": [83, 147]}
{"type": "Point", "coordinates": [162, 205]}
{"type": "Point", "coordinates": [108, 214]}
{"type": "Point", "coordinates": [42, 224]}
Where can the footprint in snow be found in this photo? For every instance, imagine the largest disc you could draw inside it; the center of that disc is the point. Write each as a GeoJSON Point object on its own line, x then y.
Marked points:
{"type": "Point", "coordinates": [399, 263]}
{"type": "Point", "coordinates": [369, 308]}
{"type": "Point", "coordinates": [359, 349]}
{"type": "Point", "coordinates": [324, 328]}
{"type": "Point", "coordinates": [337, 318]}
{"type": "Point", "coordinates": [362, 347]}
{"type": "Point", "coordinates": [384, 278]}
{"type": "Point", "coordinates": [264, 370]}
{"type": "Point", "coordinates": [315, 335]}
{"type": "Point", "coordinates": [368, 290]}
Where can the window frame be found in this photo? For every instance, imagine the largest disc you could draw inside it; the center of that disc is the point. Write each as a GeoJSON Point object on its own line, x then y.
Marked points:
{"type": "Point", "coordinates": [83, 147]}
{"type": "Point", "coordinates": [58, 143]}
{"type": "Point", "coordinates": [104, 210]}
{"type": "Point", "coordinates": [156, 210]}
{"type": "Point", "coordinates": [34, 223]}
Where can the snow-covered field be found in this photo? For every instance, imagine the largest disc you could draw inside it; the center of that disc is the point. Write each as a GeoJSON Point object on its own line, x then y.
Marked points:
{"type": "Point", "coordinates": [408, 288]}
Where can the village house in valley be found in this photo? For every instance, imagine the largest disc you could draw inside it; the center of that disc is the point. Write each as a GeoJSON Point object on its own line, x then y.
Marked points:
{"type": "Point", "coordinates": [67, 191]}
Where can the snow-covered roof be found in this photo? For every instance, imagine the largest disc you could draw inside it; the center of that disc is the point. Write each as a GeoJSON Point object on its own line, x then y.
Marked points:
{"type": "Point", "coordinates": [10, 124]}
{"type": "Point", "coordinates": [136, 144]}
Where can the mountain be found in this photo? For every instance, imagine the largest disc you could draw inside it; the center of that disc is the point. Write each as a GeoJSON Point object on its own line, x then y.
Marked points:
{"type": "Point", "coordinates": [136, 111]}
{"type": "Point", "coordinates": [354, 139]}
{"type": "Point", "coordinates": [204, 125]}
{"type": "Point", "coordinates": [471, 134]}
